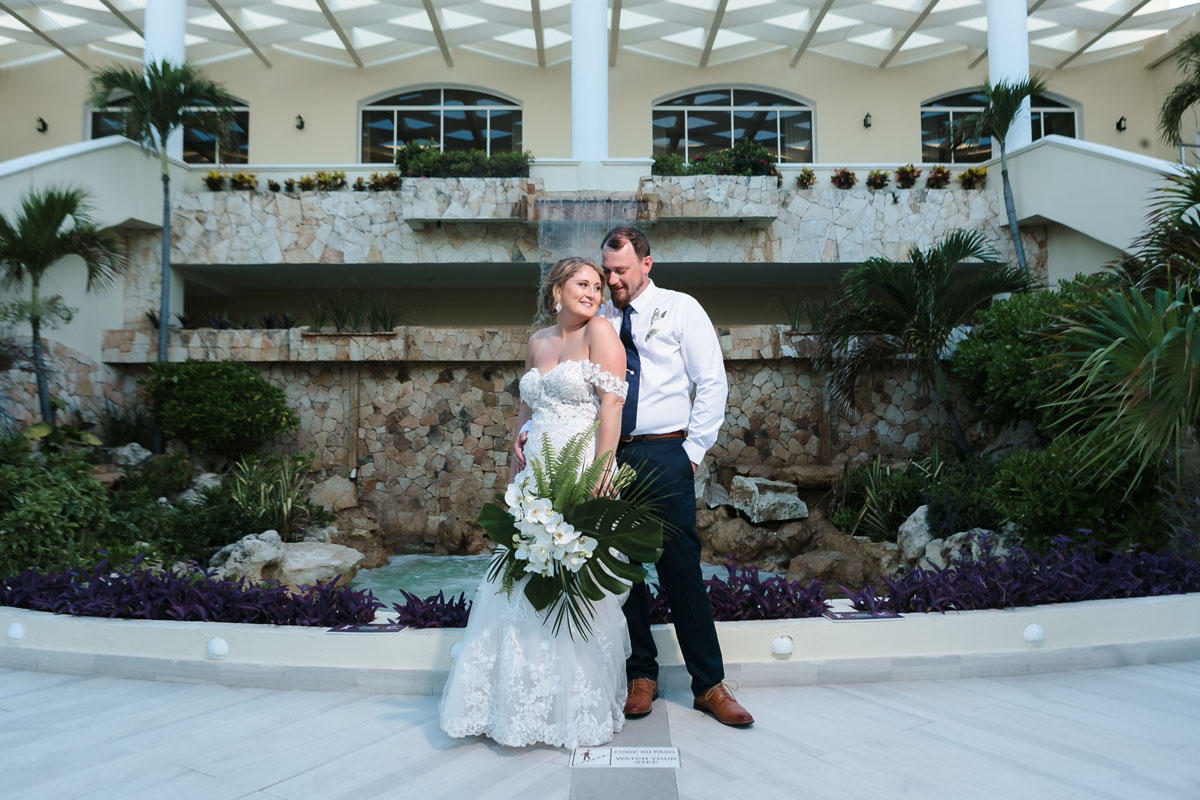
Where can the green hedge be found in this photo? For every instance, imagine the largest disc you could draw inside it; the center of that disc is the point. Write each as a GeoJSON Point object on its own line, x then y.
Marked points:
{"type": "Point", "coordinates": [217, 406]}
{"type": "Point", "coordinates": [744, 158]}
{"type": "Point", "coordinates": [419, 161]}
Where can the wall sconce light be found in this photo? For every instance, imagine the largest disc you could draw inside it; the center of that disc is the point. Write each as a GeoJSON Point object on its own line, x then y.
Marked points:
{"type": "Point", "coordinates": [867, 121]}
{"type": "Point", "coordinates": [41, 125]}
{"type": "Point", "coordinates": [299, 122]}
{"type": "Point", "coordinates": [1121, 126]}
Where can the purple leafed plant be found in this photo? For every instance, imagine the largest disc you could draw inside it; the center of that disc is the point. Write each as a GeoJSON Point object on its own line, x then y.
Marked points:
{"type": "Point", "coordinates": [134, 591]}
{"type": "Point", "coordinates": [745, 595]}
{"type": "Point", "coordinates": [1068, 572]}
{"type": "Point", "coordinates": [432, 612]}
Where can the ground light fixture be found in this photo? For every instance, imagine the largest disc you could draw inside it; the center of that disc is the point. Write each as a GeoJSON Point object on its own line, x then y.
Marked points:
{"type": "Point", "coordinates": [217, 648]}
{"type": "Point", "coordinates": [16, 632]}
{"type": "Point", "coordinates": [1034, 635]}
{"type": "Point", "coordinates": [781, 647]}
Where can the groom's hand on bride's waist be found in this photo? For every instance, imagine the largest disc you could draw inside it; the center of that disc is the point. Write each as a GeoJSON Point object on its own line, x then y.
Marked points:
{"type": "Point", "coordinates": [518, 450]}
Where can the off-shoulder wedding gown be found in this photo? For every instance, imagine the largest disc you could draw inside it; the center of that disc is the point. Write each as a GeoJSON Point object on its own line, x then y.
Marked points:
{"type": "Point", "coordinates": [514, 680]}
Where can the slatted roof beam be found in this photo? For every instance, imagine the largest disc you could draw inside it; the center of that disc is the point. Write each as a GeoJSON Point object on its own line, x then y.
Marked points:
{"type": "Point", "coordinates": [341, 34]}
{"type": "Point", "coordinates": [1112, 27]}
{"type": "Point", "coordinates": [437, 32]}
{"type": "Point", "coordinates": [812, 31]}
{"type": "Point", "coordinates": [718, 15]}
{"type": "Point", "coordinates": [42, 35]}
{"type": "Point", "coordinates": [240, 33]}
{"type": "Point", "coordinates": [908, 33]}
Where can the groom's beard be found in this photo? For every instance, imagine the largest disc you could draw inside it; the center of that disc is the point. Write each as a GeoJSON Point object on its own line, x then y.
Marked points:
{"type": "Point", "coordinates": [620, 297]}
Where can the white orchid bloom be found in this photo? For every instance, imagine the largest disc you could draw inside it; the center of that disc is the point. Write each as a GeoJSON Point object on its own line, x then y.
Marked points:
{"type": "Point", "coordinates": [539, 510]}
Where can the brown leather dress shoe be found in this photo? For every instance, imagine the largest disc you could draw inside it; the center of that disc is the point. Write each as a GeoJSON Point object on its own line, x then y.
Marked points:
{"type": "Point", "coordinates": [719, 702]}
{"type": "Point", "coordinates": [642, 694]}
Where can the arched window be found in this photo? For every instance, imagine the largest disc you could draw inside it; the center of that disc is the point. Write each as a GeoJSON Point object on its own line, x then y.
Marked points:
{"type": "Point", "coordinates": [708, 120]}
{"type": "Point", "coordinates": [198, 147]}
{"type": "Point", "coordinates": [450, 119]}
{"type": "Point", "coordinates": [942, 118]}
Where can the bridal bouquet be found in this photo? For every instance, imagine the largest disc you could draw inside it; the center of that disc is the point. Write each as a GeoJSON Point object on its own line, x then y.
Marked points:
{"type": "Point", "coordinates": [571, 544]}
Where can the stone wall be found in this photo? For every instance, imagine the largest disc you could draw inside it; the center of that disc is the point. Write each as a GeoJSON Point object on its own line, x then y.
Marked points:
{"type": "Point", "coordinates": [87, 388]}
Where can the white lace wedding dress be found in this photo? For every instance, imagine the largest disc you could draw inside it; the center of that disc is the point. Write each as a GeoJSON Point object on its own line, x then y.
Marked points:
{"type": "Point", "coordinates": [514, 680]}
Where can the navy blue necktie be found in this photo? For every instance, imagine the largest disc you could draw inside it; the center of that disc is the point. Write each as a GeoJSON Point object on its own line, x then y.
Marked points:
{"type": "Point", "coordinates": [633, 365]}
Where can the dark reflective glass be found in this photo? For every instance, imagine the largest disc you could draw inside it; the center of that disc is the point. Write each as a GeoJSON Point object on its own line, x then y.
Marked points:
{"type": "Point", "coordinates": [709, 97]}
{"type": "Point", "coordinates": [752, 97]}
{"type": "Point", "coordinates": [235, 149]}
{"type": "Point", "coordinates": [1060, 122]}
{"type": "Point", "coordinates": [105, 123]}
{"type": "Point", "coordinates": [935, 136]}
{"type": "Point", "coordinates": [417, 97]}
{"type": "Point", "coordinates": [464, 130]}
{"type": "Point", "coordinates": [199, 147]}
{"type": "Point", "coordinates": [467, 97]}
{"type": "Point", "coordinates": [756, 126]}
{"type": "Point", "coordinates": [795, 133]}
{"type": "Point", "coordinates": [378, 136]}
{"type": "Point", "coordinates": [667, 132]}
{"type": "Point", "coordinates": [417, 126]}
{"type": "Point", "coordinates": [505, 131]}
{"type": "Point", "coordinates": [708, 132]}
{"type": "Point", "coordinates": [968, 149]}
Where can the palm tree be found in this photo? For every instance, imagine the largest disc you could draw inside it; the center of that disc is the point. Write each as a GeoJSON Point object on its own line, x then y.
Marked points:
{"type": "Point", "coordinates": [1167, 255]}
{"type": "Point", "coordinates": [890, 309]}
{"type": "Point", "coordinates": [52, 224]}
{"type": "Point", "coordinates": [156, 103]}
{"type": "Point", "coordinates": [1186, 94]}
{"type": "Point", "coordinates": [1002, 104]}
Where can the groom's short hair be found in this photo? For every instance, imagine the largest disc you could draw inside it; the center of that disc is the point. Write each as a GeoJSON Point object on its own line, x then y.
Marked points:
{"type": "Point", "coordinates": [617, 237]}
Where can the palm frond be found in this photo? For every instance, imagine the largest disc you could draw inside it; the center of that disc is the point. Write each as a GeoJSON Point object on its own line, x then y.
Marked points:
{"type": "Point", "coordinates": [1185, 94]}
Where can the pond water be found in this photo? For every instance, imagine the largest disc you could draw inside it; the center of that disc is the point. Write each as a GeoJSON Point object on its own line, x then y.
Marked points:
{"type": "Point", "coordinates": [426, 575]}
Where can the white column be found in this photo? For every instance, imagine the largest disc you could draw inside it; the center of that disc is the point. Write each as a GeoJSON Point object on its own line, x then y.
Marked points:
{"type": "Point", "coordinates": [589, 80]}
{"type": "Point", "coordinates": [164, 26]}
{"type": "Point", "coordinates": [1008, 58]}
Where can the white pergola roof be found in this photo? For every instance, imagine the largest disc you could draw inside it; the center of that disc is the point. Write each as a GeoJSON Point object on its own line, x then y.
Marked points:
{"type": "Point", "coordinates": [357, 33]}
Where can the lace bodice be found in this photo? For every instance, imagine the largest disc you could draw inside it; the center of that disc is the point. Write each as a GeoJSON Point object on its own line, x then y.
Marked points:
{"type": "Point", "coordinates": [566, 399]}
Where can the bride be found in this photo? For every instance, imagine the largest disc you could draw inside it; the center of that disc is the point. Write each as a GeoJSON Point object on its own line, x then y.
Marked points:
{"type": "Point", "coordinates": [514, 679]}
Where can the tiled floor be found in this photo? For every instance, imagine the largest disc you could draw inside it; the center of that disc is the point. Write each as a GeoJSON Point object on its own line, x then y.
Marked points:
{"type": "Point", "coordinates": [1120, 733]}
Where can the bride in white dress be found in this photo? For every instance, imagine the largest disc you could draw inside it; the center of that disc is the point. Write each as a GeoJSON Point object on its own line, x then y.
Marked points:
{"type": "Point", "coordinates": [514, 679]}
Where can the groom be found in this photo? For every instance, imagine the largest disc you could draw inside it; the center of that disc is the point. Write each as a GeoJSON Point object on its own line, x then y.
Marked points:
{"type": "Point", "coordinates": [670, 345]}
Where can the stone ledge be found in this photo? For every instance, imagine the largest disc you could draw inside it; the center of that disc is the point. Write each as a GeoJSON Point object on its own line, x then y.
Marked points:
{"type": "Point", "coordinates": [405, 343]}
{"type": "Point", "coordinates": [1087, 635]}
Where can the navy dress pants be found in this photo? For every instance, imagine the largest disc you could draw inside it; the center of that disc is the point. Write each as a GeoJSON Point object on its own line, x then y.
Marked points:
{"type": "Point", "coordinates": [678, 570]}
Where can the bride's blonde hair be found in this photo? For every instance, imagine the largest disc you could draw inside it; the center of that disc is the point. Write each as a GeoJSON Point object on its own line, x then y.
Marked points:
{"type": "Point", "coordinates": [557, 277]}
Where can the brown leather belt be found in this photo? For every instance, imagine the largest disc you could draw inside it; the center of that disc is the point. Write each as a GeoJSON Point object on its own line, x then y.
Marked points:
{"type": "Point", "coordinates": [645, 437]}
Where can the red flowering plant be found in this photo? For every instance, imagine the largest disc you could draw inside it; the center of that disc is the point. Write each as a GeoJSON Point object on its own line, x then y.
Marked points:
{"type": "Point", "coordinates": [939, 178]}
{"type": "Point", "coordinates": [906, 177]}
{"type": "Point", "coordinates": [843, 178]}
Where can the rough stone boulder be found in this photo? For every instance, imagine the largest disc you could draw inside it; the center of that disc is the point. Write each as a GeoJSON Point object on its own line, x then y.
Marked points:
{"type": "Point", "coordinates": [915, 535]}
{"type": "Point", "coordinates": [810, 476]}
{"type": "Point", "coordinates": [194, 494]}
{"type": "Point", "coordinates": [130, 455]}
{"type": "Point", "coordinates": [250, 557]}
{"type": "Point", "coordinates": [749, 545]}
{"type": "Point", "coordinates": [336, 493]}
{"type": "Point", "coordinates": [107, 474]}
{"type": "Point", "coordinates": [357, 528]}
{"type": "Point", "coordinates": [307, 563]}
{"type": "Point", "coordinates": [966, 544]}
{"type": "Point", "coordinates": [860, 560]}
{"type": "Point", "coordinates": [764, 500]}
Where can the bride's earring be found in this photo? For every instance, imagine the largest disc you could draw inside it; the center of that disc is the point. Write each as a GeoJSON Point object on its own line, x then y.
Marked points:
{"type": "Point", "coordinates": [557, 307]}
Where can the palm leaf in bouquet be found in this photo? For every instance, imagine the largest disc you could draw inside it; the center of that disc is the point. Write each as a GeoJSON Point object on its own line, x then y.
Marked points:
{"type": "Point", "coordinates": [571, 545]}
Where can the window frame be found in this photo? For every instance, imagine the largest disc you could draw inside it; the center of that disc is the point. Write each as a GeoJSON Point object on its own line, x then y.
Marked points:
{"type": "Point", "coordinates": [238, 107]}
{"type": "Point", "coordinates": [1066, 106]}
{"type": "Point", "coordinates": [796, 103]}
{"type": "Point", "coordinates": [372, 104]}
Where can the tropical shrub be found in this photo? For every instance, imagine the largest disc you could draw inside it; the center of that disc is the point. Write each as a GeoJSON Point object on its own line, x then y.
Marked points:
{"type": "Point", "coordinates": [939, 178]}
{"type": "Point", "coordinates": [806, 178]}
{"type": "Point", "coordinates": [509, 165]}
{"type": "Point", "coordinates": [415, 160]}
{"type": "Point", "coordinates": [843, 178]}
{"type": "Point", "coordinates": [669, 164]}
{"type": "Point", "coordinates": [159, 476]}
{"type": "Point", "coordinates": [214, 180]}
{"type": "Point", "coordinates": [744, 158]}
{"type": "Point", "coordinates": [330, 181]}
{"type": "Point", "coordinates": [1008, 364]}
{"type": "Point", "coordinates": [245, 181]}
{"type": "Point", "coordinates": [436, 611]}
{"type": "Point", "coordinates": [360, 184]}
{"type": "Point", "coordinates": [973, 177]}
{"type": "Point", "coordinates": [270, 491]}
{"type": "Point", "coordinates": [217, 406]}
{"type": "Point", "coordinates": [873, 499]}
{"type": "Point", "coordinates": [50, 509]}
{"type": "Point", "coordinates": [959, 500]}
{"type": "Point", "coordinates": [1047, 493]}
{"type": "Point", "coordinates": [906, 176]}
{"type": "Point", "coordinates": [273, 185]}
{"type": "Point", "coordinates": [383, 182]}
{"type": "Point", "coordinates": [877, 179]}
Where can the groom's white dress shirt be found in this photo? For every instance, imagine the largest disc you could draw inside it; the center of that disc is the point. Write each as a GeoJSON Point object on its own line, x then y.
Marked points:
{"type": "Point", "coordinates": [678, 349]}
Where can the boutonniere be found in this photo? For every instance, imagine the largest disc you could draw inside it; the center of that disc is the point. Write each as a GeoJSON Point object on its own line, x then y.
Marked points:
{"type": "Point", "coordinates": [654, 317]}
